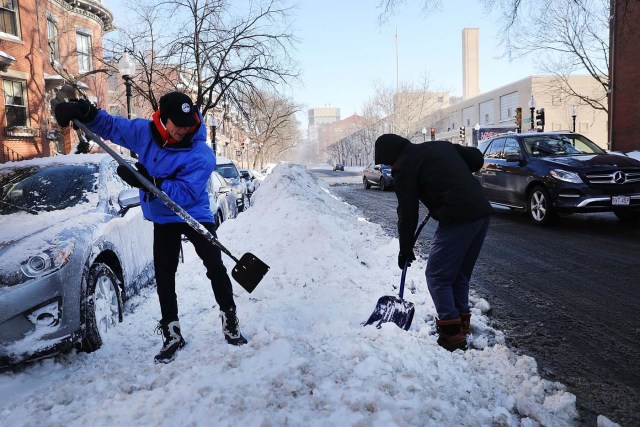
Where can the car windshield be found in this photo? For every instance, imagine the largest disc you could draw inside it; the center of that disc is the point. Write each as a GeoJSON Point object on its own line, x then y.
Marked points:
{"type": "Point", "coordinates": [560, 145]}
{"type": "Point", "coordinates": [33, 189]}
{"type": "Point", "coordinates": [228, 171]}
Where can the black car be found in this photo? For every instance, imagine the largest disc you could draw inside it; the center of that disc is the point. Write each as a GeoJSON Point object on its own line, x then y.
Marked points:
{"type": "Point", "coordinates": [545, 173]}
{"type": "Point", "coordinates": [379, 175]}
{"type": "Point", "coordinates": [338, 167]}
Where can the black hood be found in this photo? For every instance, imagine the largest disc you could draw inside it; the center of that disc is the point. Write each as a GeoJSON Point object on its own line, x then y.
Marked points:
{"type": "Point", "coordinates": [388, 148]}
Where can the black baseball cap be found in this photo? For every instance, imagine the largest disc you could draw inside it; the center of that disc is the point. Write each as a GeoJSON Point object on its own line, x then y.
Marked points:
{"type": "Point", "coordinates": [178, 107]}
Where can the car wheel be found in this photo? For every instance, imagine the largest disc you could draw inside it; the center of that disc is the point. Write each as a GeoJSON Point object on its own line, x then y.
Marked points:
{"type": "Point", "coordinates": [101, 307]}
{"type": "Point", "coordinates": [539, 206]}
{"type": "Point", "coordinates": [627, 215]}
{"type": "Point", "coordinates": [383, 185]}
{"type": "Point", "coordinates": [366, 183]}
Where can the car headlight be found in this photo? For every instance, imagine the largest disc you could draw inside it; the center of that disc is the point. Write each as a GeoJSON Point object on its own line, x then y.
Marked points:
{"type": "Point", "coordinates": [47, 261]}
{"type": "Point", "coordinates": [567, 176]}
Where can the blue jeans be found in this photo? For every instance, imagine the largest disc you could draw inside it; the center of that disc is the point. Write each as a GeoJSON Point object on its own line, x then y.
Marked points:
{"type": "Point", "coordinates": [452, 256]}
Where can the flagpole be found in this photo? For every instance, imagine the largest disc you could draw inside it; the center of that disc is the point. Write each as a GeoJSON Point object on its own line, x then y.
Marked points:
{"type": "Point", "coordinates": [397, 66]}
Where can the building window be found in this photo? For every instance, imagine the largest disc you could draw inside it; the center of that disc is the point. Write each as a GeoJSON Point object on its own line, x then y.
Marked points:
{"type": "Point", "coordinates": [508, 104]}
{"type": "Point", "coordinates": [52, 35]}
{"type": "Point", "coordinates": [15, 102]}
{"type": "Point", "coordinates": [9, 18]}
{"type": "Point", "coordinates": [84, 52]}
{"type": "Point", "coordinates": [486, 112]}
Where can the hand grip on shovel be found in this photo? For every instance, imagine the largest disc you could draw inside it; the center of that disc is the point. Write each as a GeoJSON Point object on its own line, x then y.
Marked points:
{"type": "Point", "coordinates": [249, 269]}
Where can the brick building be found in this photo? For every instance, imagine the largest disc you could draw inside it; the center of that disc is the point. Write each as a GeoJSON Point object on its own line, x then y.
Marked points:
{"type": "Point", "coordinates": [33, 35]}
{"type": "Point", "coordinates": [624, 94]}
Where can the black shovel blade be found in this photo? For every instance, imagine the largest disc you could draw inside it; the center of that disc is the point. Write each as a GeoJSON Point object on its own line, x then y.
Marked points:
{"type": "Point", "coordinates": [249, 271]}
{"type": "Point", "coordinates": [392, 309]}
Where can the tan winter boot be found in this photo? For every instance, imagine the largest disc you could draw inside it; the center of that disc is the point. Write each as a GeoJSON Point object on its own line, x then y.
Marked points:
{"type": "Point", "coordinates": [465, 320]}
{"type": "Point", "coordinates": [450, 334]}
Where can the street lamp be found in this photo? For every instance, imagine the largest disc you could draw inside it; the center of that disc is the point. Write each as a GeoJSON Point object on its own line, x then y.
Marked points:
{"type": "Point", "coordinates": [127, 68]}
{"type": "Point", "coordinates": [212, 122]}
{"type": "Point", "coordinates": [574, 113]}
{"type": "Point", "coordinates": [424, 134]}
{"type": "Point", "coordinates": [532, 107]}
{"type": "Point", "coordinates": [247, 145]}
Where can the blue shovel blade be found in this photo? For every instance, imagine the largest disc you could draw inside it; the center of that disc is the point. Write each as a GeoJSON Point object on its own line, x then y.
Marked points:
{"type": "Point", "coordinates": [392, 309]}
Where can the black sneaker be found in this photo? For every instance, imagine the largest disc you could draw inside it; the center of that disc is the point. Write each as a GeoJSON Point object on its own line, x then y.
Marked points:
{"type": "Point", "coordinates": [230, 328]}
{"type": "Point", "coordinates": [172, 341]}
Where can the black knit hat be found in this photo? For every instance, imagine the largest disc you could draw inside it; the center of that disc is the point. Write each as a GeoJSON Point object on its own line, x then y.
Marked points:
{"type": "Point", "coordinates": [178, 107]}
{"type": "Point", "coordinates": [388, 148]}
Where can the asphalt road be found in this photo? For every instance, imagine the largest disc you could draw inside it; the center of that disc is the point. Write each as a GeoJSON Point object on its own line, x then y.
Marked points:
{"type": "Point", "coordinates": [567, 295]}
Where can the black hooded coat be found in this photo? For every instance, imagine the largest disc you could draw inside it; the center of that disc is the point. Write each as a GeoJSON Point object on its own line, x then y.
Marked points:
{"type": "Point", "coordinates": [436, 173]}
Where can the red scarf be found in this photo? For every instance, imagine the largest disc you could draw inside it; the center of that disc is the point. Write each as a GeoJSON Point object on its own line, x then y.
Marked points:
{"type": "Point", "coordinates": [163, 130]}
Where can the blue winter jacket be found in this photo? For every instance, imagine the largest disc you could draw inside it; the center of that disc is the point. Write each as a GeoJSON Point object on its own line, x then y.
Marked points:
{"type": "Point", "coordinates": [185, 167]}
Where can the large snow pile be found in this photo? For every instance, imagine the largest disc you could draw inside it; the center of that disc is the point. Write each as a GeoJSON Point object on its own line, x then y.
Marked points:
{"type": "Point", "coordinates": [309, 362]}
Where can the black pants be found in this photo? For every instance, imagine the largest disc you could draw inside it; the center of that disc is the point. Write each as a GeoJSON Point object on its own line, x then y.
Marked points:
{"type": "Point", "coordinates": [166, 253]}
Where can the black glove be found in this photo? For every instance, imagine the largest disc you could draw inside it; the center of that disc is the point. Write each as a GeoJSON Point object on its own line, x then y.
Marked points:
{"type": "Point", "coordinates": [128, 176]}
{"type": "Point", "coordinates": [80, 109]}
{"type": "Point", "coordinates": [402, 258]}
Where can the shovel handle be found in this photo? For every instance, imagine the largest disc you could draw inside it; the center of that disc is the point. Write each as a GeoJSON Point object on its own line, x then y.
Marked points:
{"type": "Point", "coordinates": [406, 263]}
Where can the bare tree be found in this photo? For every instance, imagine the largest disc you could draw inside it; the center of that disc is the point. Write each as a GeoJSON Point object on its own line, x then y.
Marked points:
{"type": "Point", "coordinates": [273, 126]}
{"type": "Point", "coordinates": [202, 47]}
{"type": "Point", "coordinates": [568, 37]}
{"type": "Point", "coordinates": [404, 111]}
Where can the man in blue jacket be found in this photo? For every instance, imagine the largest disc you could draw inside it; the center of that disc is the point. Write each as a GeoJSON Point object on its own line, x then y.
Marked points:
{"type": "Point", "coordinates": [173, 154]}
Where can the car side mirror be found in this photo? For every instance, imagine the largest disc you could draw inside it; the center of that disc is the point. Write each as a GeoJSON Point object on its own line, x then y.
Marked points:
{"type": "Point", "coordinates": [513, 157]}
{"type": "Point", "coordinates": [127, 199]}
{"type": "Point", "coordinates": [377, 167]}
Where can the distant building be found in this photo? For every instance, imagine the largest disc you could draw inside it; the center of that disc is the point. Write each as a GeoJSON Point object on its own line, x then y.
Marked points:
{"type": "Point", "coordinates": [33, 34]}
{"type": "Point", "coordinates": [498, 107]}
{"type": "Point", "coordinates": [319, 117]}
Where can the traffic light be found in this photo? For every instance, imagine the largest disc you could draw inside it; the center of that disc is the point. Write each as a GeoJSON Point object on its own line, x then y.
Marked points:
{"type": "Point", "coordinates": [462, 133]}
{"type": "Point", "coordinates": [519, 118]}
{"type": "Point", "coordinates": [433, 134]}
{"type": "Point", "coordinates": [540, 119]}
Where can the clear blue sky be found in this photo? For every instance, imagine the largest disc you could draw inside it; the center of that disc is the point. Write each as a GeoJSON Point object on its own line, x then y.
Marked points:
{"type": "Point", "coordinates": [344, 49]}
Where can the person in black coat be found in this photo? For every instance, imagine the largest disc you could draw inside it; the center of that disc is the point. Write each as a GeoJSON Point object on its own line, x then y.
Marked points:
{"type": "Point", "coordinates": [439, 174]}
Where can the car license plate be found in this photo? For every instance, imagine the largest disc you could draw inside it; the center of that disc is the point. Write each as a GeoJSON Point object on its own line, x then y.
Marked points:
{"type": "Point", "coordinates": [620, 200]}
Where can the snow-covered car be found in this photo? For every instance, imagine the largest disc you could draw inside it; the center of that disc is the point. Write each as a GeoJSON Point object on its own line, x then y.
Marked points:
{"type": "Point", "coordinates": [221, 198]}
{"type": "Point", "coordinates": [229, 171]}
{"type": "Point", "coordinates": [251, 180]}
{"type": "Point", "coordinates": [73, 248]}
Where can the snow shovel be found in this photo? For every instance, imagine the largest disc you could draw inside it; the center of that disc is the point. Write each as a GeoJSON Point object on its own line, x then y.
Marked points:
{"type": "Point", "coordinates": [249, 269]}
{"type": "Point", "coordinates": [395, 309]}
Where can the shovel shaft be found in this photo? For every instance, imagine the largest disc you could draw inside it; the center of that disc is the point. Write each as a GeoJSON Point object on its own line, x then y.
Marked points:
{"type": "Point", "coordinates": [406, 263]}
{"type": "Point", "coordinates": [177, 209]}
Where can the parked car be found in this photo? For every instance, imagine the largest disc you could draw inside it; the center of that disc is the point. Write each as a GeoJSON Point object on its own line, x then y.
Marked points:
{"type": "Point", "coordinates": [73, 248]}
{"type": "Point", "coordinates": [552, 172]}
{"type": "Point", "coordinates": [338, 167]}
{"type": "Point", "coordinates": [230, 172]}
{"type": "Point", "coordinates": [251, 180]}
{"type": "Point", "coordinates": [221, 198]}
{"type": "Point", "coordinates": [379, 175]}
